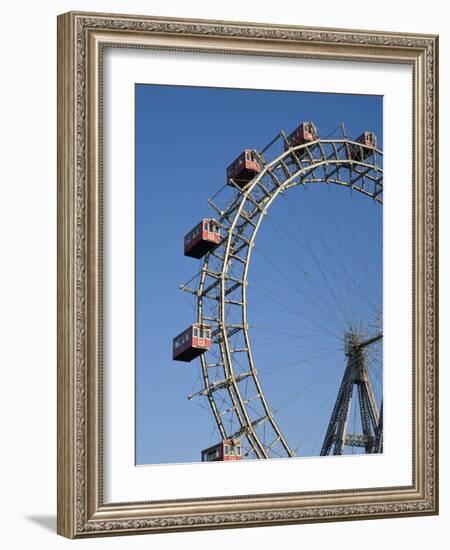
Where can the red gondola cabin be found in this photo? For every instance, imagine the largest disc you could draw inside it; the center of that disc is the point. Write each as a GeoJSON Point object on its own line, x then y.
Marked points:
{"type": "Point", "coordinates": [191, 343]}
{"type": "Point", "coordinates": [228, 449]}
{"type": "Point", "coordinates": [244, 168]}
{"type": "Point", "coordinates": [204, 237]}
{"type": "Point", "coordinates": [368, 141]}
{"type": "Point", "coordinates": [305, 133]}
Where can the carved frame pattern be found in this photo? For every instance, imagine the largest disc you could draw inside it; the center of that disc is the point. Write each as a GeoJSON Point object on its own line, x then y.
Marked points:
{"type": "Point", "coordinates": [81, 37]}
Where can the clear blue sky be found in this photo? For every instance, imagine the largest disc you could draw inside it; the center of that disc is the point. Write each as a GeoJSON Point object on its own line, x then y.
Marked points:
{"type": "Point", "coordinates": [316, 266]}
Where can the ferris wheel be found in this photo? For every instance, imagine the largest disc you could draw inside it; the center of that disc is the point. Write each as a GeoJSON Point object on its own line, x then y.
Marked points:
{"type": "Point", "coordinates": [294, 172]}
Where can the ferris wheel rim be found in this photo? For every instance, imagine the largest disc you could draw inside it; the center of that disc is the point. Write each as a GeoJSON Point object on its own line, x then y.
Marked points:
{"type": "Point", "coordinates": [236, 207]}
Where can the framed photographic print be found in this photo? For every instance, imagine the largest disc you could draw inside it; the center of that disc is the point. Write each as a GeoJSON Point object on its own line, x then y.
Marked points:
{"type": "Point", "coordinates": [247, 278]}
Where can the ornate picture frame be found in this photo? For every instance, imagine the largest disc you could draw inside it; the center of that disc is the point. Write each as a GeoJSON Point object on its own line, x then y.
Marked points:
{"type": "Point", "coordinates": [82, 40]}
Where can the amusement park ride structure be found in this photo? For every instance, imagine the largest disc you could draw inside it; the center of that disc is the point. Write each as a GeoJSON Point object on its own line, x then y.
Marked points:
{"type": "Point", "coordinates": [225, 244]}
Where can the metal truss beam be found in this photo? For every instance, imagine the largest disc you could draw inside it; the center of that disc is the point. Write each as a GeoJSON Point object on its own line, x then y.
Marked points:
{"type": "Point", "coordinates": [326, 161]}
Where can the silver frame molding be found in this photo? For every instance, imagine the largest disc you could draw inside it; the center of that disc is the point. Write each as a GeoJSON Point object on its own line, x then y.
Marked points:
{"type": "Point", "coordinates": [81, 39]}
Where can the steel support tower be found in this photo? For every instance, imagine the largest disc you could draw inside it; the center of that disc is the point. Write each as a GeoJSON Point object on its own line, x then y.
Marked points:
{"type": "Point", "coordinates": [356, 376]}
